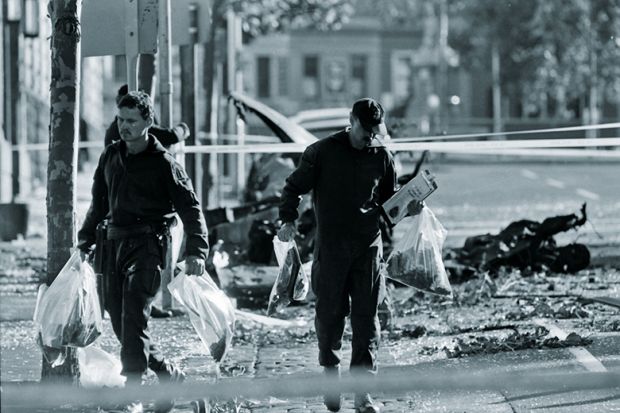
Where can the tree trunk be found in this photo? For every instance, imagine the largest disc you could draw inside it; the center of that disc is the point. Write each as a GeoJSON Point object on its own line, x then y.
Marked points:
{"type": "Point", "coordinates": [62, 164]}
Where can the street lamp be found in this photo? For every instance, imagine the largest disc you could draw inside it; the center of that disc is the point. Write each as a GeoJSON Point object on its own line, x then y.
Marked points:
{"type": "Point", "coordinates": [31, 18]}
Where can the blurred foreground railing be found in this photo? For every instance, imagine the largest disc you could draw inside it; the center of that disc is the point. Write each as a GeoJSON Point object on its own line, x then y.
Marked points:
{"type": "Point", "coordinates": [393, 381]}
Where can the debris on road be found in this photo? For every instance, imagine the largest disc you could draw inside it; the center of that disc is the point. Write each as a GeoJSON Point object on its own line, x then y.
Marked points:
{"type": "Point", "coordinates": [516, 341]}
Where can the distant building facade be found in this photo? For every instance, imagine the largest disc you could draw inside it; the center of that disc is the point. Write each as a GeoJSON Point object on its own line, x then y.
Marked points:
{"type": "Point", "coordinates": [307, 69]}
{"type": "Point", "coordinates": [399, 64]}
{"type": "Point", "coordinates": [25, 104]}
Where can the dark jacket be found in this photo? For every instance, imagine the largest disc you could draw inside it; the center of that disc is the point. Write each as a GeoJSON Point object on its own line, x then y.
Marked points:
{"type": "Point", "coordinates": [348, 186]}
{"type": "Point", "coordinates": [146, 188]}
{"type": "Point", "coordinates": [167, 136]}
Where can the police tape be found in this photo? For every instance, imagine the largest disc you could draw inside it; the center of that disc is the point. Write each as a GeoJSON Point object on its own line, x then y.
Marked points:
{"type": "Point", "coordinates": [397, 146]}
{"type": "Point", "coordinates": [550, 153]}
{"type": "Point", "coordinates": [398, 380]}
{"type": "Point", "coordinates": [512, 133]}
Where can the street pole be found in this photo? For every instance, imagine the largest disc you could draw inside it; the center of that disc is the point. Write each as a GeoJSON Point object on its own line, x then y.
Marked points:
{"type": "Point", "coordinates": [188, 88]}
{"type": "Point", "coordinates": [131, 43]}
{"type": "Point", "coordinates": [497, 91]}
{"type": "Point", "coordinates": [443, 66]}
{"type": "Point", "coordinates": [234, 80]}
{"type": "Point", "coordinates": [12, 59]}
{"type": "Point", "coordinates": [165, 93]}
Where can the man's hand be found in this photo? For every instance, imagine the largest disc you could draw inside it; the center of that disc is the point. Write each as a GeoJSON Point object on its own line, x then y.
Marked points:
{"type": "Point", "coordinates": [194, 265]}
{"type": "Point", "coordinates": [287, 232]}
{"type": "Point", "coordinates": [415, 207]}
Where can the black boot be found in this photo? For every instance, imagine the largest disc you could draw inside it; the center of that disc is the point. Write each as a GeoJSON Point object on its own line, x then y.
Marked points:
{"type": "Point", "coordinates": [333, 401]}
{"type": "Point", "coordinates": [167, 373]}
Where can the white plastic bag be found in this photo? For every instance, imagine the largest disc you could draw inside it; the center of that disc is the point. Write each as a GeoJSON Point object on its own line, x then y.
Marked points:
{"type": "Point", "coordinates": [417, 259]}
{"type": "Point", "coordinates": [99, 368]}
{"type": "Point", "coordinates": [68, 312]}
{"type": "Point", "coordinates": [292, 283]}
{"type": "Point", "coordinates": [210, 311]}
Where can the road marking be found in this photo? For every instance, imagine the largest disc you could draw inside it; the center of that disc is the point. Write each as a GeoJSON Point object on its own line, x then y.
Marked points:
{"type": "Point", "coordinates": [529, 174]}
{"type": "Point", "coordinates": [555, 183]}
{"type": "Point", "coordinates": [583, 356]}
{"type": "Point", "coordinates": [587, 194]}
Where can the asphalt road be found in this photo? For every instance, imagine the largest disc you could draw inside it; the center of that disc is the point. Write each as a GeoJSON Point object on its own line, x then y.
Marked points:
{"type": "Point", "coordinates": [472, 199]}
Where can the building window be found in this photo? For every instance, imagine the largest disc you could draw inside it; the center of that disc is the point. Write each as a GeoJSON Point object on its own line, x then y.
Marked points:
{"type": "Point", "coordinates": [263, 77]}
{"type": "Point", "coordinates": [310, 82]}
{"type": "Point", "coordinates": [358, 75]}
{"type": "Point", "coordinates": [283, 76]}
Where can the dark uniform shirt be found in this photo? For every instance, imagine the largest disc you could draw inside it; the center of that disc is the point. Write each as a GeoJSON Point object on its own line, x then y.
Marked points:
{"type": "Point", "coordinates": [348, 186]}
{"type": "Point", "coordinates": [145, 188]}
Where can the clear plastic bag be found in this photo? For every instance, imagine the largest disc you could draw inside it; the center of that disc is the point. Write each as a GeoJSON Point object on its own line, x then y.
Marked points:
{"type": "Point", "coordinates": [210, 311]}
{"type": "Point", "coordinates": [99, 368]}
{"type": "Point", "coordinates": [68, 312]}
{"type": "Point", "coordinates": [292, 283]}
{"type": "Point", "coordinates": [417, 259]}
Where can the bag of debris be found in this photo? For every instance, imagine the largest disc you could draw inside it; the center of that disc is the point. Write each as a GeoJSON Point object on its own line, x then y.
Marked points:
{"type": "Point", "coordinates": [99, 368]}
{"type": "Point", "coordinates": [210, 310]}
{"type": "Point", "coordinates": [417, 260]}
{"type": "Point", "coordinates": [292, 283]}
{"type": "Point", "coordinates": [68, 312]}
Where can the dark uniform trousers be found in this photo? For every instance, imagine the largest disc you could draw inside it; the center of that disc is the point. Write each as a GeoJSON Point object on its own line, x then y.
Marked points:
{"type": "Point", "coordinates": [132, 279]}
{"type": "Point", "coordinates": [347, 279]}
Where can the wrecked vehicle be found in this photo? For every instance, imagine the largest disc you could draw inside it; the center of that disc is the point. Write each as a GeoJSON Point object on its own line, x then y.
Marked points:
{"type": "Point", "coordinates": [525, 245]}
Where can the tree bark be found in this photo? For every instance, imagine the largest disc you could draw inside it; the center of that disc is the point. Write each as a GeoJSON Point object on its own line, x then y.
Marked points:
{"type": "Point", "coordinates": [62, 164]}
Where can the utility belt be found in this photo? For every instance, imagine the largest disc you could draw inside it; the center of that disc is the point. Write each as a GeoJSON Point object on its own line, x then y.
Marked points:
{"type": "Point", "coordinates": [115, 232]}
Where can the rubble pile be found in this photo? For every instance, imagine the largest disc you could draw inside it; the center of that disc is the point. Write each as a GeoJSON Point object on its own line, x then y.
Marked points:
{"type": "Point", "coordinates": [565, 310]}
{"type": "Point", "coordinates": [515, 341]}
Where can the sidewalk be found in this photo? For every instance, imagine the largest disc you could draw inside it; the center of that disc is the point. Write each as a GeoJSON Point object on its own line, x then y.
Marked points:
{"type": "Point", "coordinates": [258, 352]}
{"type": "Point", "coordinates": [261, 351]}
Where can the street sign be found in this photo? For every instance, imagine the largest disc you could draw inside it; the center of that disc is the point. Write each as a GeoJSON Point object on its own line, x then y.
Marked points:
{"type": "Point", "coordinates": [104, 23]}
{"type": "Point", "coordinates": [107, 26]}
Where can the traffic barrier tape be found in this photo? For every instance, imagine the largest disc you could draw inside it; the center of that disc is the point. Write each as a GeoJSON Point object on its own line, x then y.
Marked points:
{"type": "Point", "coordinates": [554, 153]}
{"type": "Point", "coordinates": [511, 133]}
{"type": "Point", "coordinates": [402, 144]}
{"type": "Point", "coordinates": [419, 146]}
{"type": "Point", "coordinates": [394, 381]}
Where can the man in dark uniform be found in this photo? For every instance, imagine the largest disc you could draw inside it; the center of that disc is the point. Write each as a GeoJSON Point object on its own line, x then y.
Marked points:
{"type": "Point", "coordinates": [350, 174]}
{"type": "Point", "coordinates": [138, 186]}
{"type": "Point", "coordinates": [167, 137]}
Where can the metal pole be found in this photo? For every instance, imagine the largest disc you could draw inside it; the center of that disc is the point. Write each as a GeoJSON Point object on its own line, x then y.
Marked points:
{"type": "Point", "coordinates": [165, 92]}
{"type": "Point", "coordinates": [497, 91]}
{"type": "Point", "coordinates": [188, 87]}
{"type": "Point", "coordinates": [233, 46]}
{"type": "Point", "coordinates": [165, 65]}
{"type": "Point", "coordinates": [131, 43]}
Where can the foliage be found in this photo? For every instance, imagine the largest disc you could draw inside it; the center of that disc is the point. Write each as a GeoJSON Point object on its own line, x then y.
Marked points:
{"type": "Point", "coordinates": [556, 49]}
{"type": "Point", "coordinates": [260, 17]}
